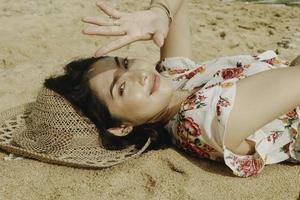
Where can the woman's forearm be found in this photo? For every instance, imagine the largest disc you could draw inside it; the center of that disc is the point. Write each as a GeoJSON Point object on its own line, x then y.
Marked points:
{"type": "Point", "coordinates": [178, 40]}
{"type": "Point", "coordinates": [172, 5]}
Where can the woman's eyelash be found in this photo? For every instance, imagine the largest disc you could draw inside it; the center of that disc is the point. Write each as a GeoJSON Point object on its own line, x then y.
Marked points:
{"type": "Point", "coordinates": [125, 62]}
{"type": "Point", "coordinates": [122, 88]}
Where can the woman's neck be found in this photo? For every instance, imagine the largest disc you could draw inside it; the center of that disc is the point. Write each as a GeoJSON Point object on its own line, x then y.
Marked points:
{"type": "Point", "coordinates": [173, 108]}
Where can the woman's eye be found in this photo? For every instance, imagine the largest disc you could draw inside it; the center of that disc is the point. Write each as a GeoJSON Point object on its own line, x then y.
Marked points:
{"type": "Point", "coordinates": [125, 62]}
{"type": "Point", "coordinates": [122, 88]}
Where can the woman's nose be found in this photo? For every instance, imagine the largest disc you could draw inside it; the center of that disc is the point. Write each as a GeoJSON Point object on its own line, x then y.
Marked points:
{"type": "Point", "coordinates": [139, 77]}
{"type": "Point", "coordinates": [142, 79]}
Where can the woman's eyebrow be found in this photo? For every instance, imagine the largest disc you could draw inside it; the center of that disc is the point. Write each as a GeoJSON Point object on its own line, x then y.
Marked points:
{"type": "Point", "coordinates": [119, 64]}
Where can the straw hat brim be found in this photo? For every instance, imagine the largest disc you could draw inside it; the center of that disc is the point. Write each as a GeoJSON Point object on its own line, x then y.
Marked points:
{"type": "Point", "coordinates": [11, 121]}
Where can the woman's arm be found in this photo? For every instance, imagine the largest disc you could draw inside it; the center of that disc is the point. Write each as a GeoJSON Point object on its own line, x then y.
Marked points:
{"type": "Point", "coordinates": [254, 108]}
{"type": "Point", "coordinates": [178, 41]}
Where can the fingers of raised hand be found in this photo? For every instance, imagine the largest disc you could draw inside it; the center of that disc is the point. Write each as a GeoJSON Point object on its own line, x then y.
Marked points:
{"type": "Point", "coordinates": [117, 44]}
{"type": "Point", "coordinates": [104, 30]}
{"type": "Point", "coordinates": [108, 10]}
{"type": "Point", "coordinates": [101, 22]}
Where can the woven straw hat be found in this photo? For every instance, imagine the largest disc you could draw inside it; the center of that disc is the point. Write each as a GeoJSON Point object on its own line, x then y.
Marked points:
{"type": "Point", "coordinates": [51, 130]}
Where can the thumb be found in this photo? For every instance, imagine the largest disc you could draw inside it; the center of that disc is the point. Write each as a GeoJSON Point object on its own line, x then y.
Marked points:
{"type": "Point", "coordinates": [158, 39]}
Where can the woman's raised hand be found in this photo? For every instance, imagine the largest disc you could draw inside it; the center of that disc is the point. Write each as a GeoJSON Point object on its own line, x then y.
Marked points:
{"type": "Point", "coordinates": [140, 25]}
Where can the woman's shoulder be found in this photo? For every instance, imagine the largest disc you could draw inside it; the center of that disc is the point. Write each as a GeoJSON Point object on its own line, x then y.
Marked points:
{"type": "Point", "coordinates": [175, 63]}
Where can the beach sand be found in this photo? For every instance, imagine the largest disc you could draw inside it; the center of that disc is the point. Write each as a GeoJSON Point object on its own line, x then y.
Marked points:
{"type": "Point", "coordinates": [39, 37]}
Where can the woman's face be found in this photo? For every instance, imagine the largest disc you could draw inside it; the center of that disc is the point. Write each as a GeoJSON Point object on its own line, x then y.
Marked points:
{"type": "Point", "coordinates": [133, 90]}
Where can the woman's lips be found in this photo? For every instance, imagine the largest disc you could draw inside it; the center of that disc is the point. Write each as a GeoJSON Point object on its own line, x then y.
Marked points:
{"type": "Point", "coordinates": [155, 83]}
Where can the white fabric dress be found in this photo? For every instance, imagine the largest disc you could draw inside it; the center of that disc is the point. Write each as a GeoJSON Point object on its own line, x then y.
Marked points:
{"type": "Point", "coordinates": [200, 125]}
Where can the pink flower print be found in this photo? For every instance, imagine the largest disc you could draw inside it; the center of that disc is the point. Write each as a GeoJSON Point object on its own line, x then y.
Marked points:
{"type": "Point", "coordinates": [292, 114]}
{"type": "Point", "coordinates": [286, 147]}
{"type": "Point", "coordinates": [200, 151]}
{"type": "Point", "coordinates": [218, 111]}
{"type": "Point", "coordinates": [208, 148]}
{"type": "Point", "coordinates": [194, 100]}
{"type": "Point", "coordinates": [191, 147]}
{"type": "Point", "coordinates": [270, 61]}
{"type": "Point", "coordinates": [231, 72]}
{"type": "Point", "coordinates": [289, 118]}
{"type": "Point", "coordinates": [181, 132]}
{"type": "Point", "coordinates": [202, 97]}
{"type": "Point", "coordinates": [190, 101]}
{"type": "Point", "coordinates": [176, 71]}
{"type": "Point", "coordinates": [191, 74]}
{"type": "Point", "coordinates": [190, 126]}
{"type": "Point", "coordinates": [293, 133]}
{"type": "Point", "coordinates": [274, 136]}
{"type": "Point", "coordinates": [221, 102]}
{"type": "Point", "coordinates": [249, 166]}
{"type": "Point", "coordinates": [191, 98]}
{"type": "Point", "coordinates": [213, 85]}
{"type": "Point", "coordinates": [194, 72]}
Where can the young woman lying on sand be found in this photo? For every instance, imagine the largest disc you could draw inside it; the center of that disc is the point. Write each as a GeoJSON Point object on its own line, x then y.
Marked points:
{"type": "Point", "coordinates": [242, 110]}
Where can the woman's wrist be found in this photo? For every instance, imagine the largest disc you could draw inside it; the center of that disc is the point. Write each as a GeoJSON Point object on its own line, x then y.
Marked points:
{"type": "Point", "coordinates": [161, 13]}
{"type": "Point", "coordinates": [162, 9]}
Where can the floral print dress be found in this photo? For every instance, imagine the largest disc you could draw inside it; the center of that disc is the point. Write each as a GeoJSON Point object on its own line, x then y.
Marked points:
{"type": "Point", "coordinates": [200, 125]}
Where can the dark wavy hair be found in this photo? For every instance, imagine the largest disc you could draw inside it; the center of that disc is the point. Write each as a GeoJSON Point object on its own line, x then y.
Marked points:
{"type": "Point", "coordinates": [73, 85]}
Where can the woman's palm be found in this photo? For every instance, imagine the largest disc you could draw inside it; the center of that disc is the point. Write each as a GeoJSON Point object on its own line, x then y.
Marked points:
{"type": "Point", "coordinates": [139, 25]}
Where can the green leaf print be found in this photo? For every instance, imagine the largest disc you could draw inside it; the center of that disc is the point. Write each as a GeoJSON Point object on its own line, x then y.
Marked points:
{"type": "Point", "coordinates": [197, 141]}
{"type": "Point", "coordinates": [200, 105]}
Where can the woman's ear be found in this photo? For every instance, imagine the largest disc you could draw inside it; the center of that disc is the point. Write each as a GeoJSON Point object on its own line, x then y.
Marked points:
{"type": "Point", "coordinates": [122, 130]}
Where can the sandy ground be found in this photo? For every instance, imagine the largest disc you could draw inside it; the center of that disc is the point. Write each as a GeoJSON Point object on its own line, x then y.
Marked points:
{"type": "Point", "coordinates": [37, 38]}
